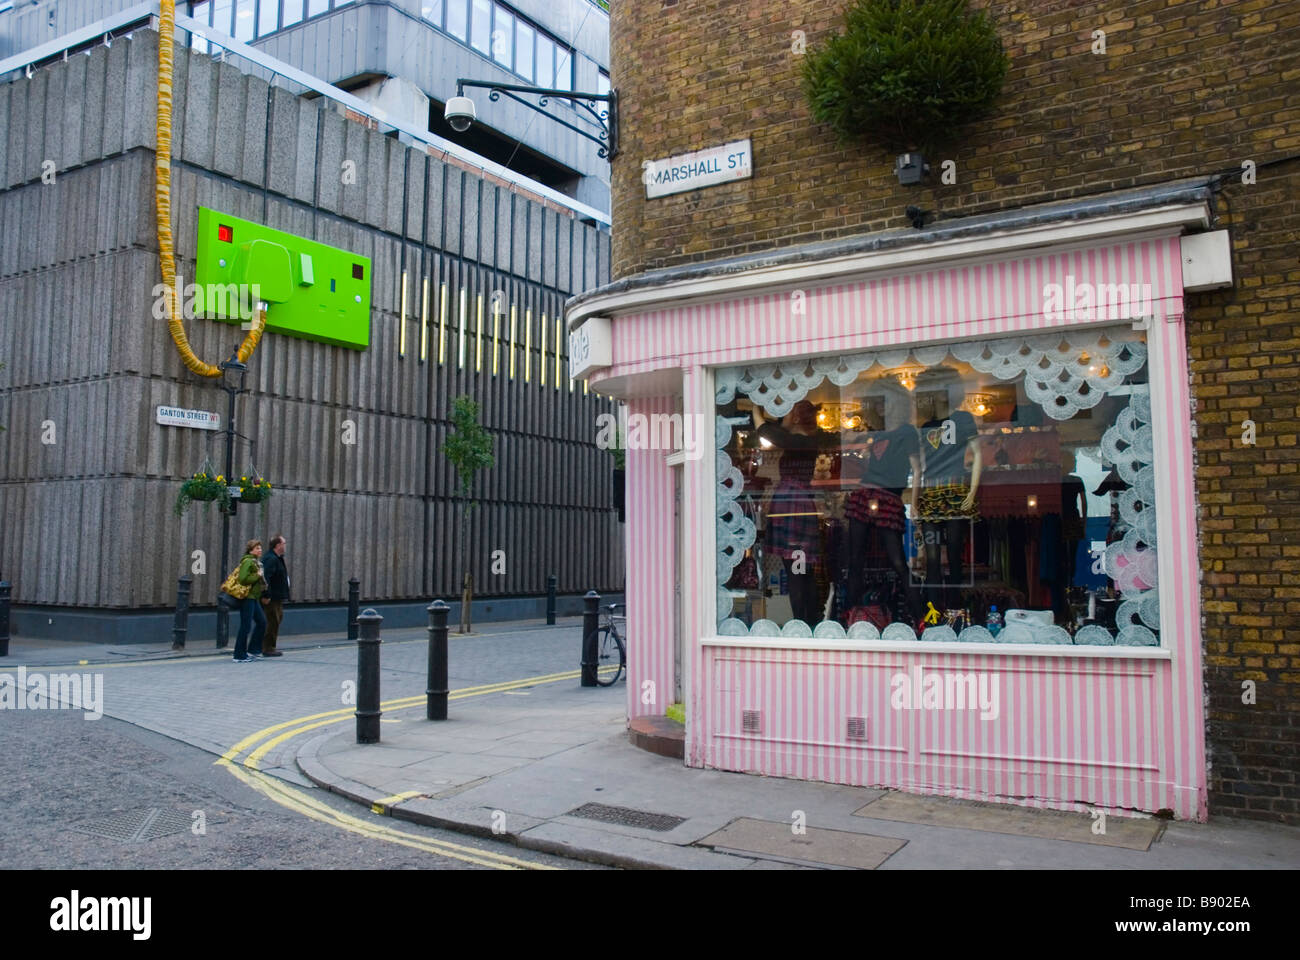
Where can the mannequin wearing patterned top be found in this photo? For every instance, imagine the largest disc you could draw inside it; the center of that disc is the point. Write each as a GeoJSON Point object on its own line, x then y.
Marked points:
{"type": "Point", "coordinates": [947, 501]}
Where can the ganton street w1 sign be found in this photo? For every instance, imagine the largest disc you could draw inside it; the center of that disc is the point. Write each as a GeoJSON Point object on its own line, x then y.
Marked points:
{"type": "Point", "coordinates": [703, 168]}
{"type": "Point", "coordinates": [180, 417]}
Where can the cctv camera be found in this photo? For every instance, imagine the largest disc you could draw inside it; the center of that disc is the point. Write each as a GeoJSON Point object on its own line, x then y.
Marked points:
{"type": "Point", "coordinates": [460, 113]}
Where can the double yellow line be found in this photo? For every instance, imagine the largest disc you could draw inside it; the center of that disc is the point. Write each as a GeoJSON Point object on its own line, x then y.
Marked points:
{"type": "Point", "coordinates": [258, 745]}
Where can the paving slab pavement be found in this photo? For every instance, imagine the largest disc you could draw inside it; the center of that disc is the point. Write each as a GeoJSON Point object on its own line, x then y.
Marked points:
{"type": "Point", "coordinates": [519, 766]}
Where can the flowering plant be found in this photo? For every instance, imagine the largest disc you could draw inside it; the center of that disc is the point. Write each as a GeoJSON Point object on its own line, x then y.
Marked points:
{"type": "Point", "coordinates": [254, 489]}
{"type": "Point", "coordinates": [203, 487]}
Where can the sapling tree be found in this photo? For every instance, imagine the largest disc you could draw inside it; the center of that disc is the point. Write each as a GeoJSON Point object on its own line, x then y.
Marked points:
{"type": "Point", "coordinates": [469, 448]}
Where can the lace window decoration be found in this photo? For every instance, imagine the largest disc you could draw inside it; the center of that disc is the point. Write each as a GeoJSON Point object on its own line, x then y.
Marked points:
{"type": "Point", "coordinates": [736, 532]}
{"type": "Point", "coordinates": [1131, 560]}
{"type": "Point", "coordinates": [1065, 372]}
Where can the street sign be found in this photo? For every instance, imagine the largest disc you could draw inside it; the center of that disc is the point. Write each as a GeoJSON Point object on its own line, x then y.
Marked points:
{"type": "Point", "coordinates": [197, 419]}
{"type": "Point", "coordinates": [703, 168]}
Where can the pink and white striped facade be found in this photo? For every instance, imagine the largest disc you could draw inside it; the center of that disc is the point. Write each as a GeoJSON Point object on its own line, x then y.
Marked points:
{"type": "Point", "coordinates": [1116, 728]}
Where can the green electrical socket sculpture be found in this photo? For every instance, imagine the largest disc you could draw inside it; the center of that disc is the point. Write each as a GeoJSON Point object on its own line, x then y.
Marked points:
{"type": "Point", "coordinates": [315, 291]}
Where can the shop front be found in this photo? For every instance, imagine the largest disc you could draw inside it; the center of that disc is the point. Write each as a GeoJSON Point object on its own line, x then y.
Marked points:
{"type": "Point", "coordinates": [946, 540]}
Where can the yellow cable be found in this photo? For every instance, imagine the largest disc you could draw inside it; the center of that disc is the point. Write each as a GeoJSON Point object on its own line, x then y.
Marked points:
{"type": "Point", "coordinates": [162, 196]}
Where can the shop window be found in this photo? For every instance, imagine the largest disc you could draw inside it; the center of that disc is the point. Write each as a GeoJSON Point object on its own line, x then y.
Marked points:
{"type": "Point", "coordinates": [999, 490]}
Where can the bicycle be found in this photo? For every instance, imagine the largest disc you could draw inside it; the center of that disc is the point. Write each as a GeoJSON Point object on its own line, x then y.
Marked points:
{"type": "Point", "coordinates": [609, 643]}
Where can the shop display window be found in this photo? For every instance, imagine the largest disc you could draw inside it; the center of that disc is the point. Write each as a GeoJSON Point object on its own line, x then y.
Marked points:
{"type": "Point", "coordinates": [985, 491]}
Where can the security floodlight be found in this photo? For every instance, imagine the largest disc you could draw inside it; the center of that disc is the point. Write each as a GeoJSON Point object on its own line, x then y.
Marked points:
{"type": "Point", "coordinates": [460, 113]}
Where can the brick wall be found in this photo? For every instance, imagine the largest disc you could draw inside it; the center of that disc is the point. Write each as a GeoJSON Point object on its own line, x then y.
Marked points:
{"type": "Point", "coordinates": [1184, 88]}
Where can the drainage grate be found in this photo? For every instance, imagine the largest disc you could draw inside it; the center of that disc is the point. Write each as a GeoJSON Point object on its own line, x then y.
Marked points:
{"type": "Point", "coordinates": [132, 827]}
{"type": "Point", "coordinates": [627, 816]}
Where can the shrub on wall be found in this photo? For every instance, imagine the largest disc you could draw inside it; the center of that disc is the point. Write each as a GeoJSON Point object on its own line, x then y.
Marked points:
{"type": "Point", "coordinates": [905, 74]}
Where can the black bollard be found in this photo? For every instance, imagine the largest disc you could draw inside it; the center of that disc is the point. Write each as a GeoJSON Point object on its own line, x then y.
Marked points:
{"type": "Point", "coordinates": [4, 617]}
{"type": "Point", "coordinates": [551, 583]}
{"type": "Point", "coordinates": [436, 693]}
{"type": "Point", "coordinates": [223, 625]}
{"type": "Point", "coordinates": [590, 624]}
{"type": "Point", "coordinates": [181, 624]}
{"type": "Point", "coordinates": [354, 604]}
{"type": "Point", "coordinates": [368, 711]}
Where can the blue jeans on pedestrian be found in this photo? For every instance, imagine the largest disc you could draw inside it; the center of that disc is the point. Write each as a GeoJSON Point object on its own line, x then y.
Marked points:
{"type": "Point", "coordinates": [250, 614]}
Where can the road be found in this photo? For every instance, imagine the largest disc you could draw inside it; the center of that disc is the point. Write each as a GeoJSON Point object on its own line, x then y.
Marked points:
{"type": "Point", "coordinates": [146, 785]}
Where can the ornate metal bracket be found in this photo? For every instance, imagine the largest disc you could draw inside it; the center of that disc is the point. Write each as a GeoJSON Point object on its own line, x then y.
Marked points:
{"type": "Point", "coordinates": [606, 118]}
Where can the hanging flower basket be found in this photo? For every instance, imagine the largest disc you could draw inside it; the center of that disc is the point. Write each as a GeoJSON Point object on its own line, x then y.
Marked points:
{"type": "Point", "coordinates": [203, 487]}
{"type": "Point", "coordinates": [254, 490]}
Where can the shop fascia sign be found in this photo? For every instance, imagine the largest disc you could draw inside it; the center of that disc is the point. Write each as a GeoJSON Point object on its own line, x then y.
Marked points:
{"type": "Point", "coordinates": [591, 346]}
{"type": "Point", "coordinates": [703, 168]}
{"type": "Point", "coordinates": [180, 417]}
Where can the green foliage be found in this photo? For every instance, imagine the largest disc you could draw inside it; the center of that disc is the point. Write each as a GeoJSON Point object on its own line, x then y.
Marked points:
{"type": "Point", "coordinates": [618, 450]}
{"type": "Point", "coordinates": [906, 74]}
{"type": "Point", "coordinates": [468, 446]}
{"type": "Point", "coordinates": [202, 488]}
{"type": "Point", "coordinates": [254, 490]}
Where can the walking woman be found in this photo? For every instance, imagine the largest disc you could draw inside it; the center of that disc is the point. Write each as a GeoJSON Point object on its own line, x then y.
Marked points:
{"type": "Point", "coordinates": [250, 608]}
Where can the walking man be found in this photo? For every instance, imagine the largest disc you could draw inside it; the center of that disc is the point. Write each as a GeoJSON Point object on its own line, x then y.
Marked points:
{"type": "Point", "coordinates": [277, 578]}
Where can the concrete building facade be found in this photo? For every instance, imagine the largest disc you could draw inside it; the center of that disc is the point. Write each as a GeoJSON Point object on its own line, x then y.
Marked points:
{"type": "Point", "coordinates": [405, 56]}
{"type": "Point", "coordinates": [351, 439]}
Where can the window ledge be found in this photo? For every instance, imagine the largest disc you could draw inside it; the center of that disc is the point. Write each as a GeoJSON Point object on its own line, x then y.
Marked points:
{"type": "Point", "coordinates": [922, 646]}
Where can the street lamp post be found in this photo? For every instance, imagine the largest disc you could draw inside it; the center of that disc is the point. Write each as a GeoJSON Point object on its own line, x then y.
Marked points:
{"type": "Point", "coordinates": [223, 615]}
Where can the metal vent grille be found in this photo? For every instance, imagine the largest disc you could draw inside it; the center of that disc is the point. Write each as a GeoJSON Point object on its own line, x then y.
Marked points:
{"type": "Point", "coordinates": [857, 728]}
{"type": "Point", "coordinates": [627, 816]}
{"type": "Point", "coordinates": [751, 721]}
{"type": "Point", "coordinates": [136, 826]}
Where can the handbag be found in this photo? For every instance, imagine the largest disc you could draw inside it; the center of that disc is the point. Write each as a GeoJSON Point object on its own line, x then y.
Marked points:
{"type": "Point", "coordinates": [233, 587]}
{"type": "Point", "coordinates": [745, 576]}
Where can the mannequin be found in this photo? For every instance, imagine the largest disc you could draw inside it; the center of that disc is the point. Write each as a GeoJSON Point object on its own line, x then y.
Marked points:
{"type": "Point", "coordinates": [878, 503]}
{"type": "Point", "coordinates": [947, 501]}
{"type": "Point", "coordinates": [1057, 563]}
{"type": "Point", "coordinates": [793, 531]}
